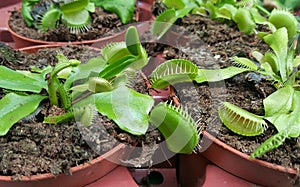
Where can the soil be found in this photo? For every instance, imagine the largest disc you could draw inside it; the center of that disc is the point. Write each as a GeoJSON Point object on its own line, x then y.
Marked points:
{"type": "Point", "coordinates": [32, 147]}
{"type": "Point", "coordinates": [217, 43]}
{"type": "Point", "coordinates": [101, 25]}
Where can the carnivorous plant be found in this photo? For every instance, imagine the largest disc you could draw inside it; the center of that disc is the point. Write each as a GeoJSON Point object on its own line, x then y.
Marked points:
{"type": "Point", "coordinates": [280, 67]}
{"type": "Point", "coordinates": [99, 85]}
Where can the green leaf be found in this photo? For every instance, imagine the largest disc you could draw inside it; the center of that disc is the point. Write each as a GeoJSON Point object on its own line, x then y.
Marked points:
{"type": "Point", "coordinates": [296, 62]}
{"type": "Point", "coordinates": [74, 6]}
{"type": "Point", "coordinates": [207, 75]}
{"type": "Point", "coordinates": [14, 107]}
{"type": "Point", "coordinates": [271, 59]}
{"type": "Point", "coordinates": [123, 8]}
{"type": "Point", "coordinates": [290, 122]}
{"type": "Point", "coordinates": [257, 17]}
{"type": "Point", "coordinates": [13, 80]}
{"type": "Point", "coordinates": [83, 71]}
{"type": "Point", "coordinates": [177, 4]}
{"type": "Point", "coordinates": [278, 41]}
{"type": "Point", "coordinates": [226, 11]}
{"type": "Point", "coordinates": [132, 41]}
{"type": "Point", "coordinates": [244, 20]}
{"type": "Point", "coordinates": [114, 69]}
{"type": "Point", "coordinates": [26, 9]}
{"type": "Point", "coordinates": [128, 108]}
{"type": "Point", "coordinates": [279, 102]}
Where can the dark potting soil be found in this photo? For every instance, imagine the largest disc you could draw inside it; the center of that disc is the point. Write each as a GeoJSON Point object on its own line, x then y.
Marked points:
{"type": "Point", "coordinates": [218, 43]}
{"type": "Point", "coordinates": [32, 147]}
{"type": "Point", "coordinates": [102, 23]}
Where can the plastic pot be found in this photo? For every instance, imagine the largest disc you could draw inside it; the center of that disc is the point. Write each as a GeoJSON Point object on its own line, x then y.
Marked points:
{"type": "Point", "coordinates": [20, 41]}
{"type": "Point", "coordinates": [254, 170]}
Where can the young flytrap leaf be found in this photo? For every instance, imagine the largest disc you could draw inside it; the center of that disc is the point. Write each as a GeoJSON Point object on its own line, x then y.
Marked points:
{"type": "Point", "coordinates": [14, 107]}
{"type": "Point", "coordinates": [27, 6]}
{"type": "Point", "coordinates": [166, 19]}
{"type": "Point", "coordinates": [98, 84]}
{"type": "Point", "coordinates": [227, 11]}
{"type": "Point", "coordinates": [271, 143]}
{"type": "Point", "coordinates": [53, 15]}
{"type": "Point", "coordinates": [172, 72]}
{"type": "Point", "coordinates": [114, 51]}
{"type": "Point", "coordinates": [243, 19]}
{"type": "Point", "coordinates": [132, 41]}
{"type": "Point", "coordinates": [178, 128]}
{"type": "Point", "coordinates": [92, 67]}
{"type": "Point", "coordinates": [241, 121]}
{"type": "Point", "coordinates": [283, 18]}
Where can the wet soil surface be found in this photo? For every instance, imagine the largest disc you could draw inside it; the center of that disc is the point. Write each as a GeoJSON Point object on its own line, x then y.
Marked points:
{"type": "Point", "coordinates": [217, 43]}
{"type": "Point", "coordinates": [102, 24]}
{"type": "Point", "coordinates": [32, 147]}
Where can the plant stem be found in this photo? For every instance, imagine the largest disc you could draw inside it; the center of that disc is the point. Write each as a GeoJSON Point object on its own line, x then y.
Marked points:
{"type": "Point", "coordinates": [52, 91]}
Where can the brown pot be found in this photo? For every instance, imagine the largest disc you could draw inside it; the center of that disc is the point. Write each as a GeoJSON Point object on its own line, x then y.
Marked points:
{"type": "Point", "coordinates": [143, 14]}
{"type": "Point", "coordinates": [254, 170]}
{"type": "Point", "coordinates": [83, 174]}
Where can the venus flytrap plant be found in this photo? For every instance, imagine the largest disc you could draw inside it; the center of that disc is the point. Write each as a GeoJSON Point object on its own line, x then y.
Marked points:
{"type": "Point", "coordinates": [281, 108]}
{"type": "Point", "coordinates": [102, 88]}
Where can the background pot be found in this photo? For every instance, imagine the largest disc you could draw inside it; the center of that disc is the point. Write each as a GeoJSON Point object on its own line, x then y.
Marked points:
{"type": "Point", "coordinates": [83, 174]}
{"type": "Point", "coordinates": [8, 3]}
{"type": "Point", "coordinates": [254, 170]}
{"type": "Point", "coordinates": [143, 14]}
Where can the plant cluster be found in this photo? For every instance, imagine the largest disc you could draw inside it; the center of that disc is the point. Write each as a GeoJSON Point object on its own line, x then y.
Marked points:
{"type": "Point", "coordinates": [247, 14]}
{"type": "Point", "coordinates": [99, 85]}
{"type": "Point", "coordinates": [73, 13]}
{"type": "Point", "coordinates": [280, 66]}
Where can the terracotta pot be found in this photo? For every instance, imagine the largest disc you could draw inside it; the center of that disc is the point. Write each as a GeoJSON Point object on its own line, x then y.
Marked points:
{"type": "Point", "coordinates": [83, 174]}
{"type": "Point", "coordinates": [254, 170]}
{"type": "Point", "coordinates": [143, 14]}
{"type": "Point", "coordinates": [148, 1]}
